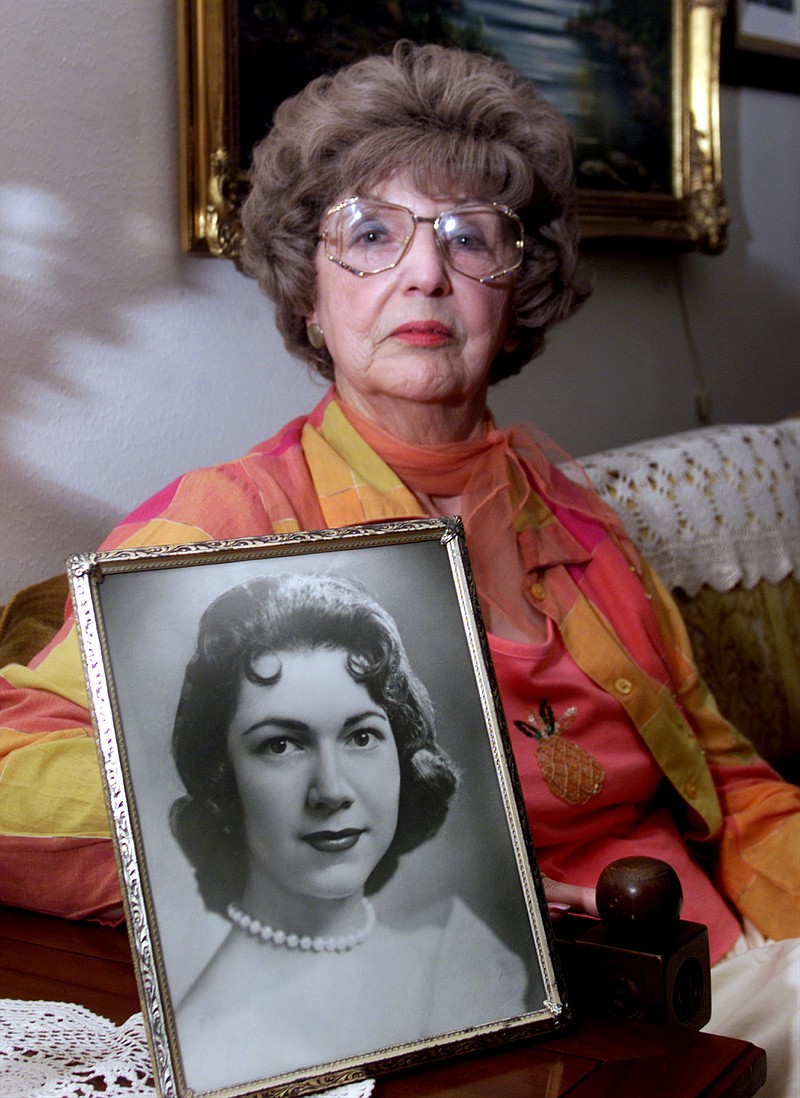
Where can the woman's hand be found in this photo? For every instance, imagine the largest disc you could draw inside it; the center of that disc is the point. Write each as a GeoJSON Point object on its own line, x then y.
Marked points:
{"type": "Point", "coordinates": [561, 897]}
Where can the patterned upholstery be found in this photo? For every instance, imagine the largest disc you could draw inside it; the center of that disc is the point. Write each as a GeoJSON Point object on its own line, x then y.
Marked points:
{"type": "Point", "coordinates": [31, 619]}
{"type": "Point", "coordinates": [747, 645]}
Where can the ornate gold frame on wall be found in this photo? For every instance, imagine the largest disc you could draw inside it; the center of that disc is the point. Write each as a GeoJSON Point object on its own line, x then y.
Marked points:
{"type": "Point", "coordinates": [213, 181]}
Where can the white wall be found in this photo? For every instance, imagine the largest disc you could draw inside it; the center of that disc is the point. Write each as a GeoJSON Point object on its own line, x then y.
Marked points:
{"type": "Point", "coordinates": [124, 362]}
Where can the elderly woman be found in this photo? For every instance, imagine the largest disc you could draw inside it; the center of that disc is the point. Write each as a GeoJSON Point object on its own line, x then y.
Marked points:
{"type": "Point", "coordinates": [307, 747]}
{"type": "Point", "coordinates": [413, 219]}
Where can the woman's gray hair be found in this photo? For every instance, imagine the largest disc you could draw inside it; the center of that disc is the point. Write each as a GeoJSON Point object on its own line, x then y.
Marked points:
{"type": "Point", "coordinates": [461, 124]}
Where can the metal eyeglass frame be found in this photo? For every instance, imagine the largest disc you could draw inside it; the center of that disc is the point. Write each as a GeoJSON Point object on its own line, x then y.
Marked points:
{"type": "Point", "coordinates": [416, 219]}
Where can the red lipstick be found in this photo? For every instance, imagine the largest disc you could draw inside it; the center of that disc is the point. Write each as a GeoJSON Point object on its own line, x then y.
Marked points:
{"type": "Point", "coordinates": [423, 333]}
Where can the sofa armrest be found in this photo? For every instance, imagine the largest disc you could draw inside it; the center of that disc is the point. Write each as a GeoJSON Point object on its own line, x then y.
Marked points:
{"type": "Point", "coordinates": [30, 620]}
{"type": "Point", "coordinates": [717, 513]}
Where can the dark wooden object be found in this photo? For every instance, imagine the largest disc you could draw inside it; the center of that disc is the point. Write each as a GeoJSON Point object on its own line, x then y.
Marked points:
{"type": "Point", "coordinates": [640, 961]}
{"type": "Point", "coordinates": [45, 958]}
{"type": "Point", "coordinates": [53, 959]}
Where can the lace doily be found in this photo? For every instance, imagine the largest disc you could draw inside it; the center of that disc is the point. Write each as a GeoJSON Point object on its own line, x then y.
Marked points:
{"type": "Point", "coordinates": [61, 1050]}
{"type": "Point", "coordinates": [717, 506]}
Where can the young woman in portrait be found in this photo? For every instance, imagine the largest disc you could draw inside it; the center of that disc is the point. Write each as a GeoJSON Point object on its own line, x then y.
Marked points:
{"type": "Point", "coordinates": [307, 747]}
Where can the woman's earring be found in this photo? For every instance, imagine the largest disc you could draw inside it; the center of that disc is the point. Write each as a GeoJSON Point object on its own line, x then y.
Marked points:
{"type": "Point", "coordinates": [316, 336]}
{"type": "Point", "coordinates": [512, 342]}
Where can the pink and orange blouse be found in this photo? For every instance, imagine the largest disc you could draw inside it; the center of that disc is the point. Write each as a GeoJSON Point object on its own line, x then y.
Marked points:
{"type": "Point", "coordinates": [599, 715]}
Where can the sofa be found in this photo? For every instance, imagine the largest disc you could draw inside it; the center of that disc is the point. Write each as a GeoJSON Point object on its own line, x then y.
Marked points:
{"type": "Point", "coordinates": [717, 513]}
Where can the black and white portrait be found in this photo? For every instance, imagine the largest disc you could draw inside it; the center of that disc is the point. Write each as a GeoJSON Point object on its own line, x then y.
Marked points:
{"type": "Point", "coordinates": [324, 837]}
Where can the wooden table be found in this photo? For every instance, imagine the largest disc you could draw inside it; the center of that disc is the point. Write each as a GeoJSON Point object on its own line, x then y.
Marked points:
{"type": "Point", "coordinates": [44, 958]}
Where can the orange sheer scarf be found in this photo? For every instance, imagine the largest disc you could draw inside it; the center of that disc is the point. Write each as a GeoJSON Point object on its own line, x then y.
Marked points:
{"type": "Point", "coordinates": [501, 479]}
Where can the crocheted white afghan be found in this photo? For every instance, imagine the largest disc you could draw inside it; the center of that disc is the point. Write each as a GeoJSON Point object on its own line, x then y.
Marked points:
{"type": "Point", "coordinates": [61, 1050]}
{"type": "Point", "coordinates": [717, 506]}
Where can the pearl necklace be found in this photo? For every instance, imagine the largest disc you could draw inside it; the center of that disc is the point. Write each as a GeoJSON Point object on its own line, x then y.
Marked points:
{"type": "Point", "coordinates": [304, 942]}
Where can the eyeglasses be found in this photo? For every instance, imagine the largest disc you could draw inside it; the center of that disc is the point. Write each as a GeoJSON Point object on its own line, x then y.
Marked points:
{"type": "Point", "coordinates": [366, 237]}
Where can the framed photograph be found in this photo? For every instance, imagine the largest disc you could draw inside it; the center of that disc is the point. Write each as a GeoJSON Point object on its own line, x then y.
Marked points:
{"type": "Point", "coordinates": [639, 83]}
{"type": "Point", "coordinates": [323, 851]}
{"type": "Point", "coordinates": [761, 44]}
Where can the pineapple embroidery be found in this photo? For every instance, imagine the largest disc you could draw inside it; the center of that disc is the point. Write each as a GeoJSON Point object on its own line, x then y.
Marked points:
{"type": "Point", "coordinates": [571, 773]}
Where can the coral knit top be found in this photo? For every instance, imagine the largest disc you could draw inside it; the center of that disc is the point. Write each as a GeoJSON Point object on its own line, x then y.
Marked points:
{"type": "Point", "coordinates": [590, 784]}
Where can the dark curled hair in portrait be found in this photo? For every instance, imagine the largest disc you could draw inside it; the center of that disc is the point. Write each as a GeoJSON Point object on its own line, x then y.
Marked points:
{"type": "Point", "coordinates": [458, 124]}
{"type": "Point", "coordinates": [286, 613]}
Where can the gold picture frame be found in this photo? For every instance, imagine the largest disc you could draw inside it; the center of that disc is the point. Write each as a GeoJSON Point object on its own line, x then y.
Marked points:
{"type": "Point", "coordinates": [689, 212]}
{"type": "Point", "coordinates": [235, 773]}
